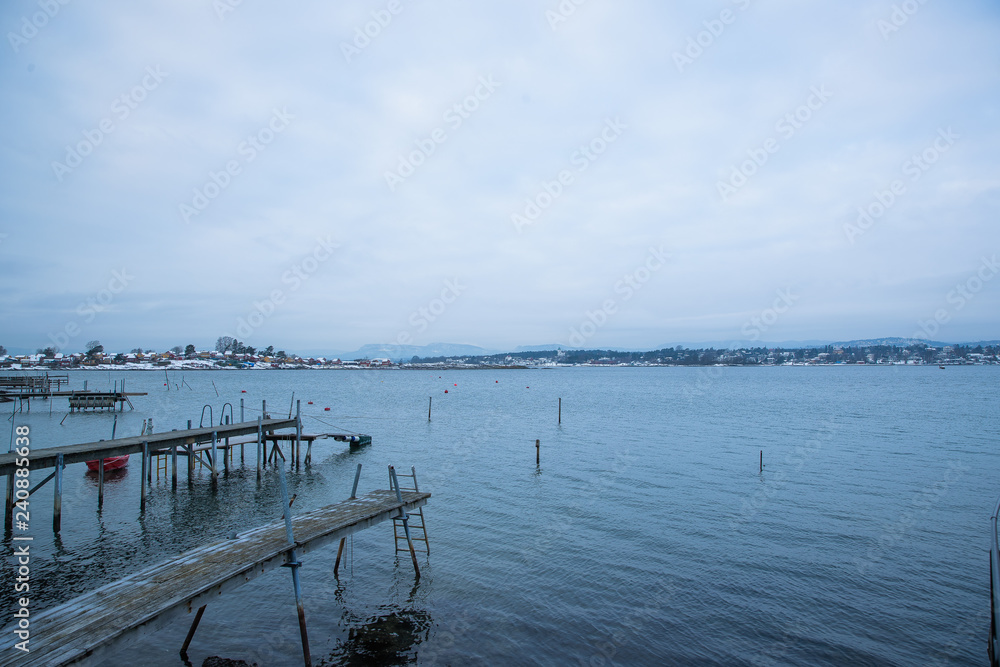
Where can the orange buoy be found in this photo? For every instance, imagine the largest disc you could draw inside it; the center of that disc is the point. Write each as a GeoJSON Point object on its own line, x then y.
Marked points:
{"type": "Point", "coordinates": [456, 384]}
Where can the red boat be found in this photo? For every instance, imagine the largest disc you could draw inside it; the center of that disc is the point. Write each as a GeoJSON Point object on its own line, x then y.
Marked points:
{"type": "Point", "coordinates": [112, 463]}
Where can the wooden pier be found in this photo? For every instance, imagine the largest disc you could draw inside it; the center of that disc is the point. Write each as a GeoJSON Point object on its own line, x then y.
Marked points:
{"type": "Point", "coordinates": [172, 442]}
{"type": "Point", "coordinates": [85, 629]}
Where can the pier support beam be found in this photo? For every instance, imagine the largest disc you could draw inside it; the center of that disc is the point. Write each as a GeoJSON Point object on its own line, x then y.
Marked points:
{"type": "Point", "coordinates": [8, 520]}
{"type": "Point", "coordinates": [215, 458]}
{"type": "Point", "coordinates": [100, 483]}
{"type": "Point", "coordinates": [145, 469]}
{"type": "Point", "coordinates": [260, 435]}
{"type": "Point", "coordinates": [57, 501]}
{"type": "Point", "coordinates": [173, 460]}
{"type": "Point", "coordinates": [191, 631]}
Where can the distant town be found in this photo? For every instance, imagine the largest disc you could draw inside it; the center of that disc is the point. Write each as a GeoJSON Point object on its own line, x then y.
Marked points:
{"type": "Point", "coordinates": [230, 353]}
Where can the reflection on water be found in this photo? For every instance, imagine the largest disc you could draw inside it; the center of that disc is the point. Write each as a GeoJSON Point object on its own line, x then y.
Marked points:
{"type": "Point", "coordinates": [383, 639]}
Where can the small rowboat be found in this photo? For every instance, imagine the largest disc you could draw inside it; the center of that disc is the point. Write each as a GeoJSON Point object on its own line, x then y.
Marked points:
{"type": "Point", "coordinates": [112, 463]}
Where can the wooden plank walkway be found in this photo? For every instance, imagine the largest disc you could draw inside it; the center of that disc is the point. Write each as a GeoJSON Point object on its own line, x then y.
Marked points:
{"type": "Point", "coordinates": [89, 626]}
{"type": "Point", "coordinates": [89, 451]}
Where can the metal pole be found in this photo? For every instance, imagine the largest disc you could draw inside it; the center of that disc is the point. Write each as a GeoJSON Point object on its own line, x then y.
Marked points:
{"type": "Point", "coordinates": [293, 564]}
{"type": "Point", "coordinates": [57, 501]}
{"type": "Point", "coordinates": [405, 519]}
{"type": "Point", "coordinates": [100, 483]}
{"type": "Point", "coordinates": [430, 402]}
{"type": "Point", "coordinates": [8, 521]}
{"type": "Point", "coordinates": [354, 489]}
{"type": "Point", "coordinates": [241, 410]}
{"type": "Point", "coordinates": [173, 459]}
{"type": "Point", "coordinates": [538, 452]}
{"type": "Point", "coordinates": [560, 411]}
{"type": "Point", "coordinates": [142, 485]}
{"type": "Point", "coordinates": [298, 431]}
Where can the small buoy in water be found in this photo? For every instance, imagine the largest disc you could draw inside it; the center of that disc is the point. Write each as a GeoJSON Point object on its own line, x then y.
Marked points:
{"type": "Point", "coordinates": [310, 402]}
{"type": "Point", "coordinates": [164, 384]}
{"type": "Point", "coordinates": [456, 384]}
{"type": "Point", "coordinates": [446, 391]}
{"type": "Point", "coordinates": [327, 409]}
{"type": "Point", "coordinates": [527, 387]}
{"type": "Point", "coordinates": [243, 391]}
{"type": "Point", "coordinates": [498, 381]}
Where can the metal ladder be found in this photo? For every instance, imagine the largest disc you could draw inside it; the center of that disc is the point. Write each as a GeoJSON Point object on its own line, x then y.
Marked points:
{"type": "Point", "coordinates": [418, 529]}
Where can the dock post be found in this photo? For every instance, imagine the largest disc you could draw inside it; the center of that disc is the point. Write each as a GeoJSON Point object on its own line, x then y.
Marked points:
{"type": "Point", "coordinates": [100, 483]}
{"type": "Point", "coordinates": [405, 519]}
{"type": "Point", "coordinates": [215, 458]}
{"type": "Point", "coordinates": [430, 402]}
{"type": "Point", "coordinates": [145, 469]}
{"type": "Point", "coordinates": [241, 421]}
{"type": "Point", "coordinates": [260, 433]}
{"type": "Point", "coordinates": [298, 431]}
{"type": "Point", "coordinates": [194, 626]}
{"type": "Point", "coordinates": [173, 460]}
{"type": "Point", "coordinates": [293, 564]}
{"type": "Point", "coordinates": [57, 501]}
{"type": "Point", "coordinates": [8, 520]}
{"type": "Point", "coordinates": [538, 452]}
{"type": "Point", "coordinates": [560, 411]}
{"type": "Point", "coordinates": [762, 460]}
{"type": "Point", "coordinates": [225, 452]}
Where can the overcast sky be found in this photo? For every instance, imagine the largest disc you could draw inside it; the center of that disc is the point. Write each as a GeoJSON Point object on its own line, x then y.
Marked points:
{"type": "Point", "coordinates": [321, 175]}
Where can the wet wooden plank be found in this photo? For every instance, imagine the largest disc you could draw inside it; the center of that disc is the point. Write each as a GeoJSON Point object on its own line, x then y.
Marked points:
{"type": "Point", "coordinates": [143, 602]}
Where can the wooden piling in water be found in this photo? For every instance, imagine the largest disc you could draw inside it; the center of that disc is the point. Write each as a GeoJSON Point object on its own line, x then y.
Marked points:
{"type": "Point", "coordinates": [560, 411]}
{"type": "Point", "coordinates": [762, 460]}
{"type": "Point", "coordinates": [100, 483]}
{"type": "Point", "coordinates": [215, 458]}
{"type": "Point", "coordinates": [57, 500]}
{"type": "Point", "coordinates": [538, 452]}
{"type": "Point", "coordinates": [430, 401]}
{"type": "Point", "coordinates": [173, 474]}
{"type": "Point", "coordinates": [260, 436]}
{"type": "Point", "coordinates": [145, 469]}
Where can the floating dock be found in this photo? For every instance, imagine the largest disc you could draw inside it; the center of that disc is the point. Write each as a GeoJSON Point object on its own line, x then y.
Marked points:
{"type": "Point", "coordinates": [88, 627]}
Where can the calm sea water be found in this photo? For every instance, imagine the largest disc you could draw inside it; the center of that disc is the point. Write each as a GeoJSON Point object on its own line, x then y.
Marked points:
{"type": "Point", "coordinates": [648, 534]}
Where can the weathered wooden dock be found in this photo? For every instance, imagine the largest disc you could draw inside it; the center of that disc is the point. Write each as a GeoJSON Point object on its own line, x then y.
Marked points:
{"type": "Point", "coordinates": [146, 445]}
{"type": "Point", "coordinates": [85, 629]}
